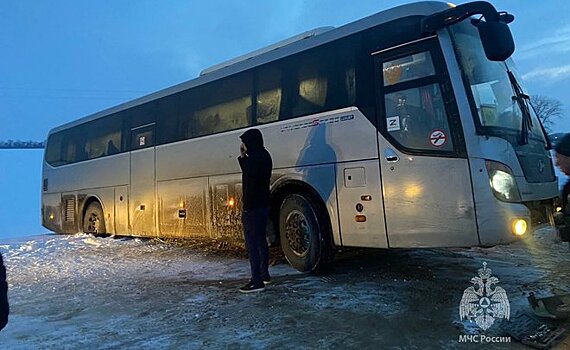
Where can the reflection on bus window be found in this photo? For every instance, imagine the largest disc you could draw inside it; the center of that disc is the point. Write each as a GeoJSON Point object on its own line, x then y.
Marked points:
{"type": "Point", "coordinates": [269, 95]}
{"type": "Point", "coordinates": [350, 85]}
{"type": "Point", "coordinates": [416, 118]}
{"type": "Point", "coordinates": [223, 105]}
{"type": "Point", "coordinates": [226, 116]}
{"type": "Point", "coordinates": [407, 68]}
{"type": "Point", "coordinates": [102, 145]}
{"type": "Point", "coordinates": [268, 105]}
{"type": "Point", "coordinates": [312, 90]}
{"type": "Point", "coordinates": [490, 85]}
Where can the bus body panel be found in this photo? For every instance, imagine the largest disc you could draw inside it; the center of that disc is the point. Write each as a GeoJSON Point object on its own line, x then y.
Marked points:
{"type": "Point", "coordinates": [142, 193]}
{"type": "Point", "coordinates": [88, 174]}
{"type": "Point", "coordinates": [225, 194]}
{"type": "Point", "coordinates": [359, 185]}
{"type": "Point", "coordinates": [79, 182]}
{"type": "Point", "coordinates": [183, 208]}
{"type": "Point", "coordinates": [416, 187]}
{"type": "Point", "coordinates": [500, 150]}
{"type": "Point", "coordinates": [51, 211]}
{"type": "Point", "coordinates": [493, 216]}
{"type": "Point", "coordinates": [72, 205]}
{"type": "Point", "coordinates": [304, 149]}
{"type": "Point", "coordinates": [121, 216]}
{"type": "Point", "coordinates": [536, 191]}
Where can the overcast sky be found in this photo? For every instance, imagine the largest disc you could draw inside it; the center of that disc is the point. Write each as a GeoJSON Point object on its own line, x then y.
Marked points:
{"type": "Point", "coordinates": [62, 60]}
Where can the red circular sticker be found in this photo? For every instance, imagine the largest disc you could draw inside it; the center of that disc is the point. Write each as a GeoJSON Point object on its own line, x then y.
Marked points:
{"type": "Point", "coordinates": [437, 138]}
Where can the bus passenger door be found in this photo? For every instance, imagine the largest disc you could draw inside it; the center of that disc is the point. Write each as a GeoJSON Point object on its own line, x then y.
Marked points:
{"type": "Point", "coordinates": [426, 181]}
{"type": "Point", "coordinates": [142, 201]}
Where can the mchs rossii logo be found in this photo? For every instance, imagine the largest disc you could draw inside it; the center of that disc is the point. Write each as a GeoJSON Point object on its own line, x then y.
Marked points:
{"type": "Point", "coordinates": [483, 303]}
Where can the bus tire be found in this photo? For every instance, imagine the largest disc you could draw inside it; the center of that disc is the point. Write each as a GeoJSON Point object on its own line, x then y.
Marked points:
{"type": "Point", "coordinates": [300, 230]}
{"type": "Point", "coordinates": [94, 219]}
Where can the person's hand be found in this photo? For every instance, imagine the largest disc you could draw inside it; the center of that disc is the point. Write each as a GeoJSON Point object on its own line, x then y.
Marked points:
{"type": "Point", "coordinates": [242, 150]}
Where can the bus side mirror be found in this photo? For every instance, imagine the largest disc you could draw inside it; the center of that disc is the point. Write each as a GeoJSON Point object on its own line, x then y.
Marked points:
{"type": "Point", "coordinates": [494, 33]}
{"type": "Point", "coordinates": [496, 39]}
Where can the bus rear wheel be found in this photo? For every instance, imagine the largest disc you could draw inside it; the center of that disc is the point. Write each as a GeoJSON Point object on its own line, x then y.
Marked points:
{"type": "Point", "coordinates": [94, 219]}
{"type": "Point", "coordinates": [300, 230]}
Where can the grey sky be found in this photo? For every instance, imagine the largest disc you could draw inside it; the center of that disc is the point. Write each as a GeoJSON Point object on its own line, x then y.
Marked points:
{"type": "Point", "coordinates": [65, 59]}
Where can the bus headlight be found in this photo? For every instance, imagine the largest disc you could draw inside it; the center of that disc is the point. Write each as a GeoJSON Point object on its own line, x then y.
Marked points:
{"type": "Point", "coordinates": [502, 182]}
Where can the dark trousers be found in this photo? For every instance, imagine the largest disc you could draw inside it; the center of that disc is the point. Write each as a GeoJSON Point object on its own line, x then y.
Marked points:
{"type": "Point", "coordinates": [254, 225]}
{"type": "Point", "coordinates": [4, 309]}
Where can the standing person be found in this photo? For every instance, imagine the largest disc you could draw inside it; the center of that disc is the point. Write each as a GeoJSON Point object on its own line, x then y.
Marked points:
{"type": "Point", "coordinates": [256, 164]}
{"type": "Point", "coordinates": [4, 309]}
{"type": "Point", "coordinates": [562, 149]}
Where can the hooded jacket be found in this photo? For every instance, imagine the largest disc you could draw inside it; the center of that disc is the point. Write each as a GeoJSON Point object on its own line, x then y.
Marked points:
{"type": "Point", "coordinates": [4, 309]}
{"type": "Point", "coordinates": [563, 147]}
{"type": "Point", "coordinates": [256, 168]}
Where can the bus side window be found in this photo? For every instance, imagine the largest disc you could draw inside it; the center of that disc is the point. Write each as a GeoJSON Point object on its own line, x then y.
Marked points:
{"type": "Point", "coordinates": [414, 106]}
{"type": "Point", "coordinates": [55, 149]}
{"type": "Point", "coordinates": [311, 89]}
{"type": "Point", "coordinates": [268, 95]}
{"type": "Point", "coordinates": [416, 118]}
{"type": "Point", "coordinates": [105, 138]}
{"type": "Point", "coordinates": [223, 105]}
{"type": "Point", "coordinates": [408, 68]}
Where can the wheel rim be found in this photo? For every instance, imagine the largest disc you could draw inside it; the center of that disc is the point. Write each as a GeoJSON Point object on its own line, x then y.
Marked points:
{"type": "Point", "coordinates": [93, 223]}
{"type": "Point", "coordinates": [298, 232]}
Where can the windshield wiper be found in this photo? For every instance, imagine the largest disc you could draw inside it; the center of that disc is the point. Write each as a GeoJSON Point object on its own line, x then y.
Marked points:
{"type": "Point", "coordinates": [522, 100]}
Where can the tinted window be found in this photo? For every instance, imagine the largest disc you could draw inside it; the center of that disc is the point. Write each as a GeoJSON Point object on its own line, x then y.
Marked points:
{"type": "Point", "coordinates": [407, 68]}
{"type": "Point", "coordinates": [54, 155]}
{"type": "Point", "coordinates": [98, 138]}
{"type": "Point", "coordinates": [104, 137]}
{"type": "Point", "coordinates": [168, 121]}
{"type": "Point", "coordinates": [416, 118]}
{"type": "Point", "coordinates": [73, 145]}
{"type": "Point", "coordinates": [319, 80]}
{"type": "Point", "coordinates": [322, 79]}
{"type": "Point", "coordinates": [269, 94]}
{"type": "Point", "coordinates": [143, 114]}
{"type": "Point", "coordinates": [304, 86]}
{"type": "Point", "coordinates": [222, 105]}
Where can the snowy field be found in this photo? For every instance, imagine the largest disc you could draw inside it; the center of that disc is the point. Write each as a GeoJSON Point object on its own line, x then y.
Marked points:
{"type": "Point", "coordinates": [83, 292]}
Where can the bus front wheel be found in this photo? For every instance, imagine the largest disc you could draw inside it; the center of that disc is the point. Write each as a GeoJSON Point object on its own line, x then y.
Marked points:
{"type": "Point", "coordinates": [94, 219]}
{"type": "Point", "coordinates": [300, 230]}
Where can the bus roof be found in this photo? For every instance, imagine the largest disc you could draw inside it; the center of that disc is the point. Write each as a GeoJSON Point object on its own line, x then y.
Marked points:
{"type": "Point", "coordinates": [287, 47]}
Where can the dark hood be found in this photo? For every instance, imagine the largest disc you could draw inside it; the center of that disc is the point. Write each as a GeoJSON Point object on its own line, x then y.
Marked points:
{"type": "Point", "coordinates": [562, 145]}
{"type": "Point", "coordinates": [253, 140]}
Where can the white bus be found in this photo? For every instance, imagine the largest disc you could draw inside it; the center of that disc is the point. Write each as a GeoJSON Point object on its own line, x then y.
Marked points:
{"type": "Point", "coordinates": [408, 128]}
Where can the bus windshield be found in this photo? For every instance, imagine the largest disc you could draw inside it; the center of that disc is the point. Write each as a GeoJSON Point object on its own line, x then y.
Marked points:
{"type": "Point", "coordinates": [498, 112]}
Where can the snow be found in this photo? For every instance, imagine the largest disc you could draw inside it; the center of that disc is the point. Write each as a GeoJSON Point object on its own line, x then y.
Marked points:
{"type": "Point", "coordinates": [79, 291]}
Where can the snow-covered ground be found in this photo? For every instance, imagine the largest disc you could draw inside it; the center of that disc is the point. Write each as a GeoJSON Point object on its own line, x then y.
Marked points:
{"type": "Point", "coordinates": [83, 292]}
